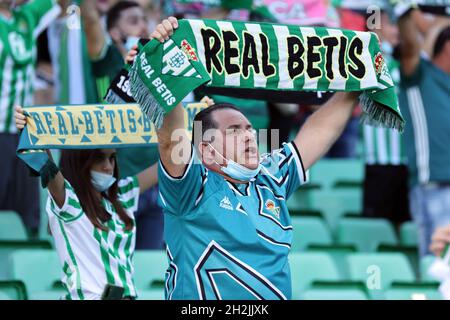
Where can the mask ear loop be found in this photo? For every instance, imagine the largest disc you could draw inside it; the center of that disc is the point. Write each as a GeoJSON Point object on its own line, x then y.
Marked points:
{"type": "Point", "coordinates": [225, 159]}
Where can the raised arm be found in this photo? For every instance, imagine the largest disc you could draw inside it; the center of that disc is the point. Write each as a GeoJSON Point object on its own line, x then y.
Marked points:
{"type": "Point", "coordinates": [410, 44]}
{"type": "Point", "coordinates": [93, 28]}
{"type": "Point", "coordinates": [56, 185]}
{"type": "Point", "coordinates": [324, 126]}
{"type": "Point", "coordinates": [175, 147]}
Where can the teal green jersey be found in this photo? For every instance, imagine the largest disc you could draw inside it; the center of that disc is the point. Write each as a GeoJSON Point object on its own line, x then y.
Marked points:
{"type": "Point", "coordinates": [229, 241]}
{"type": "Point", "coordinates": [425, 104]}
{"type": "Point", "coordinates": [18, 54]}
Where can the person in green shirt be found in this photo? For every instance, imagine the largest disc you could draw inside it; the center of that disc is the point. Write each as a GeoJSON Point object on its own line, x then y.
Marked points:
{"type": "Point", "coordinates": [125, 24]}
{"type": "Point", "coordinates": [424, 102]}
{"type": "Point", "coordinates": [20, 25]}
{"type": "Point", "coordinates": [385, 159]}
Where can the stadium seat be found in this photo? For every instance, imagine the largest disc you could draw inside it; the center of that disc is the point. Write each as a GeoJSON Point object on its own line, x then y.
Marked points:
{"type": "Point", "coordinates": [408, 234]}
{"type": "Point", "coordinates": [334, 294]}
{"type": "Point", "coordinates": [149, 269]}
{"type": "Point", "coordinates": [308, 267]}
{"type": "Point", "coordinates": [425, 263]}
{"type": "Point", "coordinates": [301, 198]}
{"type": "Point", "coordinates": [9, 246]}
{"type": "Point", "coordinates": [365, 234]}
{"type": "Point", "coordinates": [307, 231]}
{"type": "Point", "coordinates": [336, 203]}
{"type": "Point", "coordinates": [154, 294]}
{"type": "Point", "coordinates": [48, 295]}
{"type": "Point", "coordinates": [38, 269]}
{"type": "Point", "coordinates": [11, 226]}
{"type": "Point", "coordinates": [338, 253]}
{"type": "Point", "coordinates": [330, 172]}
{"type": "Point", "coordinates": [12, 290]}
{"type": "Point", "coordinates": [4, 296]}
{"type": "Point", "coordinates": [410, 252]}
{"type": "Point", "coordinates": [413, 293]}
{"type": "Point", "coordinates": [379, 270]}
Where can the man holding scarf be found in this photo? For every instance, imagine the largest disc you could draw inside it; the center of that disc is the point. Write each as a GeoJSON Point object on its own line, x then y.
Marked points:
{"type": "Point", "coordinates": [227, 226]}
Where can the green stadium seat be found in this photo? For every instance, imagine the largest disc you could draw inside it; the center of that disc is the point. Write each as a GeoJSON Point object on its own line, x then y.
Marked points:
{"type": "Point", "coordinates": [411, 252]}
{"type": "Point", "coordinates": [307, 231]}
{"type": "Point", "coordinates": [338, 253]}
{"type": "Point", "coordinates": [154, 294]}
{"type": "Point", "coordinates": [4, 296]}
{"type": "Point", "coordinates": [149, 269]}
{"type": "Point", "coordinates": [13, 290]}
{"type": "Point", "coordinates": [336, 203]}
{"type": "Point", "coordinates": [408, 234]}
{"type": "Point", "coordinates": [334, 294]}
{"type": "Point", "coordinates": [301, 198]}
{"type": "Point", "coordinates": [11, 226]}
{"type": "Point", "coordinates": [308, 267]}
{"type": "Point", "coordinates": [379, 270]}
{"type": "Point", "coordinates": [38, 269]}
{"type": "Point", "coordinates": [9, 246]}
{"type": "Point", "coordinates": [331, 172]}
{"type": "Point", "coordinates": [48, 295]}
{"type": "Point", "coordinates": [425, 263]}
{"type": "Point", "coordinates": [365, 234]}
{"type": "Point", "coordinates": [419, 292]}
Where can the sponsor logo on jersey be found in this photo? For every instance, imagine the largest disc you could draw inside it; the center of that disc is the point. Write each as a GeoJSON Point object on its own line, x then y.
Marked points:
{"type": "Point", "coordinates": [226, 204]}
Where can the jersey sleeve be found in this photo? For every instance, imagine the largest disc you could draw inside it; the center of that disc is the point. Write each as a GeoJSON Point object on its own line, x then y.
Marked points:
{"type": "Point", "coordinates": [41, 13]}
{"type": "Point", "coordinates": [414, 78]}
{"type": "Point", "coordinates": [109, 60]}
{"type": "Point", "coordinates": [71, 209]}
{"type": "Point", "coordinates": [285, 167]}
{"type": "Point", "coordinates": [129, 194]}
{"type": "Point", "coordinates": [180, 195]}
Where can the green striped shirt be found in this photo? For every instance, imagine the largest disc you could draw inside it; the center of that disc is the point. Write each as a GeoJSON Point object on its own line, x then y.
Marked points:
{"type": "Point", "coordinates": [18, 54]}
{"type": "Point", "coordinates": [90, 257]}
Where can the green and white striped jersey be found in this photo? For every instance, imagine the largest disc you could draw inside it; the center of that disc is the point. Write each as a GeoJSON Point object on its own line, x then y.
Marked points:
{"type": "Point", "coordinates": [384, 146]}
{"type": "Point", "coordinates": [18, 54]}
{"type": "Point", "coordinates": [90, 257]}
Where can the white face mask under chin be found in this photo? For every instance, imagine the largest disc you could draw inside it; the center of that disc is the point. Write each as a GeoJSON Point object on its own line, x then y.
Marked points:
{"type": "Point", "coordinates": [236, 171]}
{"type": "Point", "coordinates": [102, 181]}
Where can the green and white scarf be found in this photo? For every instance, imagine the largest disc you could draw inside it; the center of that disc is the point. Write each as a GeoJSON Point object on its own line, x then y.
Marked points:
{"type": "Point", "coordinates": [234, 4]}
{"type": "Point", "coordinates": [264, 61]}
{"type": "Point", "coordinates": [437, 7]}
{"type": "Point", "coordinates": [87, 127]}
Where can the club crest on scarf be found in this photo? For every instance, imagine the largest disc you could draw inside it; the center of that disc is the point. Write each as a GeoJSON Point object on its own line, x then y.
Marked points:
{"type": "Point", "coordinates": [176, 62]}
{"type": "Point", "coordinates": [188, 50]}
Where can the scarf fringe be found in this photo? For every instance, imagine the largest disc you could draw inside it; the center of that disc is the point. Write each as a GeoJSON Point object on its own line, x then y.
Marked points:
{"type": "Point", "coordinates": [376, 115]}
{"type": "Point", "coordinates": [145, 99]}
{"type": "Point", "coordinates": [113, 98]}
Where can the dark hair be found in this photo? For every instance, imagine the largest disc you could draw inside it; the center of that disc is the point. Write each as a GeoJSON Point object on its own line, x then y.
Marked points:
{"type": "Point", "coordinates": [441, 40]}
{"type": "Point", "coordinates": [114, 12]}
{"type": "Point", "coordinates": [206, 119]}
{"type": "Point", "coordinates": [75, 166]}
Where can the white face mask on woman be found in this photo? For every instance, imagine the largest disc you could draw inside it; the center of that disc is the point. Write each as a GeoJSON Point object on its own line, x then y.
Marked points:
{"type": "Point", "coordinates": [102, 181]}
